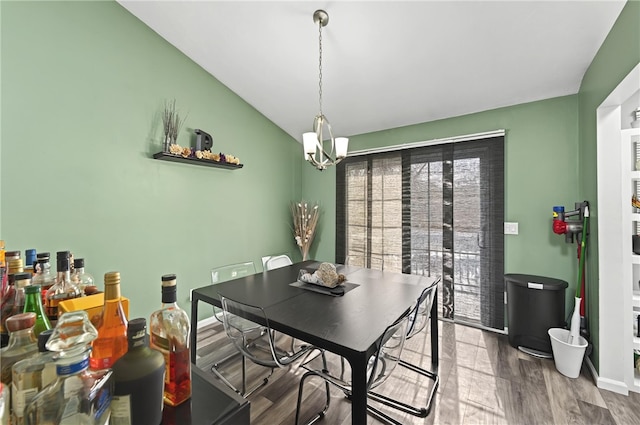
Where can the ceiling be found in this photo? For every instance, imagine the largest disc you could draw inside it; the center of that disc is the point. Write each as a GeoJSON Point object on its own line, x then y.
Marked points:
{"type": "Point", "coordinates": [386, 64]}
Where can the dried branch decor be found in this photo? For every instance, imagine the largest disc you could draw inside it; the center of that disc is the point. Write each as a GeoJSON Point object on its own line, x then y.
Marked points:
{"type": "Point", "coordinates": [305, 219]}
{"type": "Point", "coordinates": [171, 124]}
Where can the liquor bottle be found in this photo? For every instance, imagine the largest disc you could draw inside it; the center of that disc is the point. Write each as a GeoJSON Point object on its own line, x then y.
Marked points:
{"type": "Point", "coordinates": [62, 289]}
{"type": "Point", "coordinates": [30, 376]}
{"type": "Point", "coordinates": [16, 305]}
{"type": "Point", "coordinates": [43, 275]}
{"type": "Point", "coordinates": [139, 380]}
{"type": "Point", "coordinates": [111, 343]}
{"type": "Point", "coordinates": [170, 335]}
{"type": "Point", "coordinates": [81, 278]}
{"type": "Point", "coordinates": [33, 304]}
{"type": "Point", "coordinates": [14, 266]}
{"type": "Point", "coordinates": [22, 343]}
{"type": "Point", "coordinates": [77, 395]}
{"type": "Point", "coordinates": [4, 286]}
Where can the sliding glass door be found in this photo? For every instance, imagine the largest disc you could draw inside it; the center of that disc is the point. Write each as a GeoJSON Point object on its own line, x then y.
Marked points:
{"type": "Point", "coordinates": [435, 210]}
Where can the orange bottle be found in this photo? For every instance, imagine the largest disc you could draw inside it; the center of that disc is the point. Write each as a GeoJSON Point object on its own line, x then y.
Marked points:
{"type": "Point", "coordinates": [170, 335]}
{"type": "Point", "coordinates": [111, 343]}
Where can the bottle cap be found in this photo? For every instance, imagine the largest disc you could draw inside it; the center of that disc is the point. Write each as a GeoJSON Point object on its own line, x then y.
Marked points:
{"type": "Point", "coordinates": [30, 256]}
{"type": "Point", "coordinates": [22, 276]}
{"type": "Point", "coordinates": [62, 263]}
{"type": "Point", "coordinates": [169, 280]}
{"type": "Point", "coordinates": [32, 289]}
{"type": "Point", "coordinates": [21, 321]}
{"type": "Point", "coordinates": [63, 254]}
{"type": "Point", "coordinates": [112, 278]}
{"type": "Point", "coordinates": [15, 263]}
{"type": "Point", "coordinates": [43, 256]}
{"type": "Point", "coordinates": [43, 338]}
{"type": "Point", "coordinates": [78, 263]}
{"type": "Point", "coordinates": [22, 280]}
{"type": "Point", "coordinates": [12, 254]}
{"type": "Point", "coordinates": [136, 326]}
{"type": "Point", "coordinates": [73, 330]}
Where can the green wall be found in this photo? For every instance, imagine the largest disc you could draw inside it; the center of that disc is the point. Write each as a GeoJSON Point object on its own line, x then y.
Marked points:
{"type": "Point", "coordinates": [541, 170]}
{"type": "Point", "coordinates": [83, 84]}
{"type": "Point", "coordinates": [617, 56]}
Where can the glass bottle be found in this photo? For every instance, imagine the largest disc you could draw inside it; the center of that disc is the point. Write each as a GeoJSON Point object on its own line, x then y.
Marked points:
{"type": "Point", "coordinates": [15, 305]}
{"type": "Point", "coordinates": [43, 275]}
{"type": "Point", "coordinates": [4, 287]}
{"type": "Point", "coordinates": [139, 380]}
{"type": "Point", "coordinates": [62, 289]}
{"type": "Point", "coordinates": [4, 404]}
{"type": "Point", "coordinates": [20, 282]}
{"type": "Point", "coordinates": [111, 343]}
{"type": "Point", "coordinates": [170, 335]}
{"type": "Point", "coordinates": [22, 343]}
{"type": "Point", "coordinates": [30, 376]}
{"type": "Point", "coordinates": [33, 303]}
{"type": "Point", "coordinates": [77, 395]}
{"type": "Point", "coordinates": [14, 266]}
{"type": "Point", "coordinates": [80, 278]}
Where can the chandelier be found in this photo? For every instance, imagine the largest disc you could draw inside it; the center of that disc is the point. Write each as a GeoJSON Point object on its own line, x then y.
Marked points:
{"type": "Point", "coordinates": [313, 142]}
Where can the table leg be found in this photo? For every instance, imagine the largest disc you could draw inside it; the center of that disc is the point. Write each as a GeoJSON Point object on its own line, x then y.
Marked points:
{"type": "Point", "coordinates": [194, 328]}
{"type": "Point", "coordinates": [359, 391]}
{"type": "Point", "coordinates": [434, 334]}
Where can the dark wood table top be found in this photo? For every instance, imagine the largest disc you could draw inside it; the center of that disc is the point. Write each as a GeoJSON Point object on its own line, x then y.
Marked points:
{"type": "Point", "coordinates": [349, 326]}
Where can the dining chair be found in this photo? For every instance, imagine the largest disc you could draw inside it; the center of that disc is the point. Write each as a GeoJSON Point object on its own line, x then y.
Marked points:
{"type": "Point", "coordinates": [248, 339]}
{"type": "Point", "coordinates": [272, 262]}
{"type": "Point", "coordinates": [380, 367]}
{"type": "Point", "coordinates": [418, 319]}
{"type": "Point", "coordinates": [224, 274]}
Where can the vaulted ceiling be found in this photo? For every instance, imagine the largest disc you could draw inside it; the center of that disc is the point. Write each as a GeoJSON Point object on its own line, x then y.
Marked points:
{"type": "Point", "coordinates": [385, 63]}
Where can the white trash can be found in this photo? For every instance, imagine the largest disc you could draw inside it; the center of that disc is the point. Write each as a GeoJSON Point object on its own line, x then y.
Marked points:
{"type": "Point", "coordinates": [568, 357]}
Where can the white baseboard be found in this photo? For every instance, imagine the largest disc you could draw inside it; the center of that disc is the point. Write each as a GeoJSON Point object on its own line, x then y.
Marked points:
{"type": "Point", "coordinates": [606, 383]}
{"type": "Point", "coordinates": [208, 321]}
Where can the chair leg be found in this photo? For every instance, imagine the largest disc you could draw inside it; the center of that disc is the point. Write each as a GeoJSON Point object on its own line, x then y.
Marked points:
{"type": "Point", "coordinates": [320, 414]}
{"type": "Point", "coordinates": [421, 412]}
{"type": "Point", "coordinates": [243, 392]}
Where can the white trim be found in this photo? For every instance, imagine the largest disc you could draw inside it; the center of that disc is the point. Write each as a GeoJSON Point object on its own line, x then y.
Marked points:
{"type": "Point", "coordinates": [432, 142]}
{"type": "Point", "coordinates": [206, 322]}
{"type": "Point", "coordinates": [611, 385]}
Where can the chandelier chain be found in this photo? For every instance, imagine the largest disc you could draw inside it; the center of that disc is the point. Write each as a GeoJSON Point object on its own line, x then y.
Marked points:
{"type": "Point", "coordinates": [320, 65]}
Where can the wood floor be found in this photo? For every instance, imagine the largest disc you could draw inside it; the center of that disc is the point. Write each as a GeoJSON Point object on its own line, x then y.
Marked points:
{"type": "Point", "coordinates": [483, 380]}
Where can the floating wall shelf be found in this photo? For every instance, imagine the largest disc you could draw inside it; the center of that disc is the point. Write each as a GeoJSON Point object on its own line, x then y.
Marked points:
{"type": "Point", "coordinates": [163, 156]}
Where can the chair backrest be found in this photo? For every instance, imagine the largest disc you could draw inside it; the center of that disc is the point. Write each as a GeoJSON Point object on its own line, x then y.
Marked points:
{"type": "Point", "coordinates": [419, 316]}
{"type": "Point", "coordinates": [277, 261]}
{"type": "Point", "coordinates": [239, 323]}
{"type": "Point", "coordinates": [387, 357]}
{"type": "Point", "coordinates": [232, 271]}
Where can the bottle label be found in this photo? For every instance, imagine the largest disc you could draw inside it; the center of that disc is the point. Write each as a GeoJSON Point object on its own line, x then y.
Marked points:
{"type": "Point", "coordinates": [70, 369]}
{"type": "Point", "coordinates": [48, 374]}
{"type": "Point", "coordinates": [20, 399]}
{"type": "Point", "coordinates": [160, 342]}
{"type": "Point", "coordinates": [120, 410]}
{"type": "Point", "coordinates": [162, 345]}
{"type": "Point", "coordinates": [72, 385]}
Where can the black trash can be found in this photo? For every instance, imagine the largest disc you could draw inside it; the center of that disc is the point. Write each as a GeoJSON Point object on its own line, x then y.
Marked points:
{"type": "Point", "coordinates": [534, 304]}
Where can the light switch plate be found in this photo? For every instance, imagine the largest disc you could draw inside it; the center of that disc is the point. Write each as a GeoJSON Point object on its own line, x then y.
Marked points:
{"type": "Point", "coordinates": [510, 228]}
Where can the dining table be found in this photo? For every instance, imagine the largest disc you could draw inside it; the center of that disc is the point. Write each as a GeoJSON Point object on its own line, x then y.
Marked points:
{"type": "Point", "coordinates": [349, 325]}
